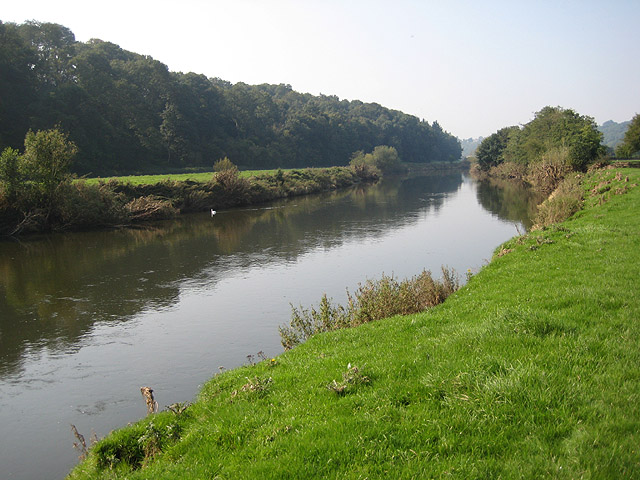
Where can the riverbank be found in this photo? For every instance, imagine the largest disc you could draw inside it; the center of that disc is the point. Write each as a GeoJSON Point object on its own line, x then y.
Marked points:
{"type": "Point", "coordinates": [85, 205]}
{"type": "Point", "coordinates": [530, 370]}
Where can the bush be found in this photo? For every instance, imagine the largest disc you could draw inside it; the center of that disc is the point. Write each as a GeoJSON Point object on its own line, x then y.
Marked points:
{"type": "Point", "coordinates": [150, 208]}
{"type": "Point", "coordinates": [375, 300]}
{"type": "Point", "coordinates": [509, 171]}
{"type": "Point", "coordinates": [235, 187]}
{"type": "Point", "coordinates": [562, 203]}
{"type": "Point", "coordinates": [223, 165]}
{"type": "Point", "coordinates": [547, 174]}
{"type": "Point", "coordinates": [84, 206]}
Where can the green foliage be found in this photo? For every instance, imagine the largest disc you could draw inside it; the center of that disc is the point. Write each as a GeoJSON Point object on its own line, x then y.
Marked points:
{"type": "Point", "coordinates": [46, 160]}
{"type": "Point", "coordinates": [84, 204]}
{"type": "Point", "coordinates": [546, 174]}
{"type": "Point", "coordinates": [386, 159]}
{"type": "Point", "coordinates": [383, 159]}
{"type": "Point", "coordinates": [554, 143]}
{"type": "Point", "coordinates": [566, 200]}
{"type": "Point", "coordinates": [224, 164]}
{"type": "Point", "coordinates": [556, 127]}
{"type": "Point", "coordinates": [631, 143]}
{"type": "Point", "coordinates": [375, 300]}
{"type": "Point", "coordinates": [10, 175]}
{"type": "Point", "coordinates": [132, 447]}
{"type": "Point", "coordinates": [128, 113]}
{"type": "Point", "coordinates": [490, 151]}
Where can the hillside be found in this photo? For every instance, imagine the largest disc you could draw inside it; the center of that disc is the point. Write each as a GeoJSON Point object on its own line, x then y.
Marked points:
{"type": "Point", "coordinates": [128, 113]}
{"type": "Point", "coordinates": [613, 132]}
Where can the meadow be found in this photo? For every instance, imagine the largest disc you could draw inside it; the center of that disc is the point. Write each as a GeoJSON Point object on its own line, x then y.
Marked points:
{"type": "Point", "coordinates": [200, 177]}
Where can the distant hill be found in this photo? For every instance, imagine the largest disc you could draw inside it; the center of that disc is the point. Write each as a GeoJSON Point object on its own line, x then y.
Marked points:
{"type": "Point", "coordinates": [613, 132]}
{"type": "Point", "coordinates": [469, 146]}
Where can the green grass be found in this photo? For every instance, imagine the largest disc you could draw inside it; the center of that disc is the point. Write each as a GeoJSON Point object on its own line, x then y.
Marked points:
{"type": "Point", "coordinates": [177, 177]}
{"type": "Point", "coordinates": [532, 370]}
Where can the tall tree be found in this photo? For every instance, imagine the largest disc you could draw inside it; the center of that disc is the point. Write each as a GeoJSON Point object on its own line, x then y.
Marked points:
{"type": "Point", "coordinates": [631, 142]}
{"type": "Point", "coordinates": [556, 127]}
{"type": "Point", "coordinates": [46, 161]}
{"type": "Point", "coordinates": [17, 85]}
{"type": "Point", "coordinates": [490, 152]}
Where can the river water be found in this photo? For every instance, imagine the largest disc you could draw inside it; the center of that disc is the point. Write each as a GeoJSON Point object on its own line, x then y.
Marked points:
{"type": "Point", "coordinates": [86, 319]}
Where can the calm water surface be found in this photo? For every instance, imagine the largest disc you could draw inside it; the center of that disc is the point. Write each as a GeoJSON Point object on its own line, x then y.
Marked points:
{"type": "Point", "coordinates": [88, 318]}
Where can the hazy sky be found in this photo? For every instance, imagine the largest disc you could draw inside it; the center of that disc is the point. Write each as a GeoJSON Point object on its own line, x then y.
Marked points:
{"type": "Point", "coordinates": [473, 66]}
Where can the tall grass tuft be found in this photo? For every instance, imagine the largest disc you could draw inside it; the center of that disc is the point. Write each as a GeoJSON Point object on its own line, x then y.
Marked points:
{"type": "Point", "coordinates": [565, 200]}
{"type": "Point", "coordinates": [375, 300]}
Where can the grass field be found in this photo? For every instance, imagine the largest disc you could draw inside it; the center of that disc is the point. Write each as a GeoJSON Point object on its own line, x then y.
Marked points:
{"type": "Point", "coordinates": [532, 370]}
{"type": "Point", "coordinates": [152, 179]}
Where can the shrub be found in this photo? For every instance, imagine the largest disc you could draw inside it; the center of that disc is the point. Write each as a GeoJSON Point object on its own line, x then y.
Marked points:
{"type": "Point", "coordinates": [82, 206]}
{"type": "Point", "coordinates": [547, 174]}
{"type": "Point", "coordinates": [562, 203]}
{"type": "Point", "coordinates": [509, 171]}
{"type": "Point", "coordinates": [224, 164]}
{"type": "Point", "coordinates": [234, 186]}
{"type": "Point", "coordinates": [150, 208]}
{"type": "Point", "coordinates": [375, 300]}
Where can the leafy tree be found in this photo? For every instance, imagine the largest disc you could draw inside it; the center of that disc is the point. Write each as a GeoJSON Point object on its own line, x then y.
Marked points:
{"type": "Point", "coordinates": [17, 85]}
{"type": "Point", "coordinates": [383, 158]}
{"type": "Point", "coordinates": [585, 146]}
{"type": "Point", "coordinates": [10, 178]}
{"type": "Point", "coordinates": [46, 161]}
{"type": "Point", "coordinates": [386, 158]}
{"type": "Point", "coordinates": [55, 47]}
{"type": "Point", "coordinates": [490, 152]}
{"type": "Point", "coordinates": [170, 129]}
{"type": "Point", "coordinates": [631, 142]}
{"type": "Point", "coordinates": [556, 127]}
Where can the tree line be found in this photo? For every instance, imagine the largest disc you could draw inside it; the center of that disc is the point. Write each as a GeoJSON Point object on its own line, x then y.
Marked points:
{"type": "Point", "coordinates": [556, 142]}
{"type": "Point", "coordinates": [38, 193]}
{"type": "Point", "coordinates": [127, 113]}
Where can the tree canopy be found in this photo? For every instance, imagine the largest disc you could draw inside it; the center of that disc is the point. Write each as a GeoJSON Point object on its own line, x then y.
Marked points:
{"type": "Point", "coordinates": [630, 145]}
{"type": "Point", "coordinates": [490, 152]}
{"type": "Point", "coordinates": [127, 112]}
{"type": "Point", "coordinates": [554, 129]}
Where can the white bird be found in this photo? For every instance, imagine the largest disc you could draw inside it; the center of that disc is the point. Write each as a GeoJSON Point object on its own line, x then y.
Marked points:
{"type": "Point", "coordinates": [213, 212]}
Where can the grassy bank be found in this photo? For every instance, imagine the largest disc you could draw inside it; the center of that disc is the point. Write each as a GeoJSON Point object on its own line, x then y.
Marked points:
{"type": "Point", "coordinates": [201, 177]}
{"type": "Point", "coordinates": [532, 370]}
{"type": "Point", "coordinates": [116, 202]}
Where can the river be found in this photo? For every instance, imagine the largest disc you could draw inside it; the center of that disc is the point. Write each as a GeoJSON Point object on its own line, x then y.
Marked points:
{"type": "Point", "coordinates": [88, 318]}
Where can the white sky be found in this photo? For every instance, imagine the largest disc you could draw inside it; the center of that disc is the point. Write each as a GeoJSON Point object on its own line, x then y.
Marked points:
{"type": "Point", "coordinates": [473, 66]}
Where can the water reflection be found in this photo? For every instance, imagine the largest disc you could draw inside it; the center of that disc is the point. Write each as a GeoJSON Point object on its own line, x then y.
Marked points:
{"type": "Point", "coordinates": [53, 289]}
{"type": "Point", "coordinates": [509, 200]}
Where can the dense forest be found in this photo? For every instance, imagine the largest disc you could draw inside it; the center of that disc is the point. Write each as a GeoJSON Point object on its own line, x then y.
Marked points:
{"type": "Point", "coordinates": [128, 113]}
